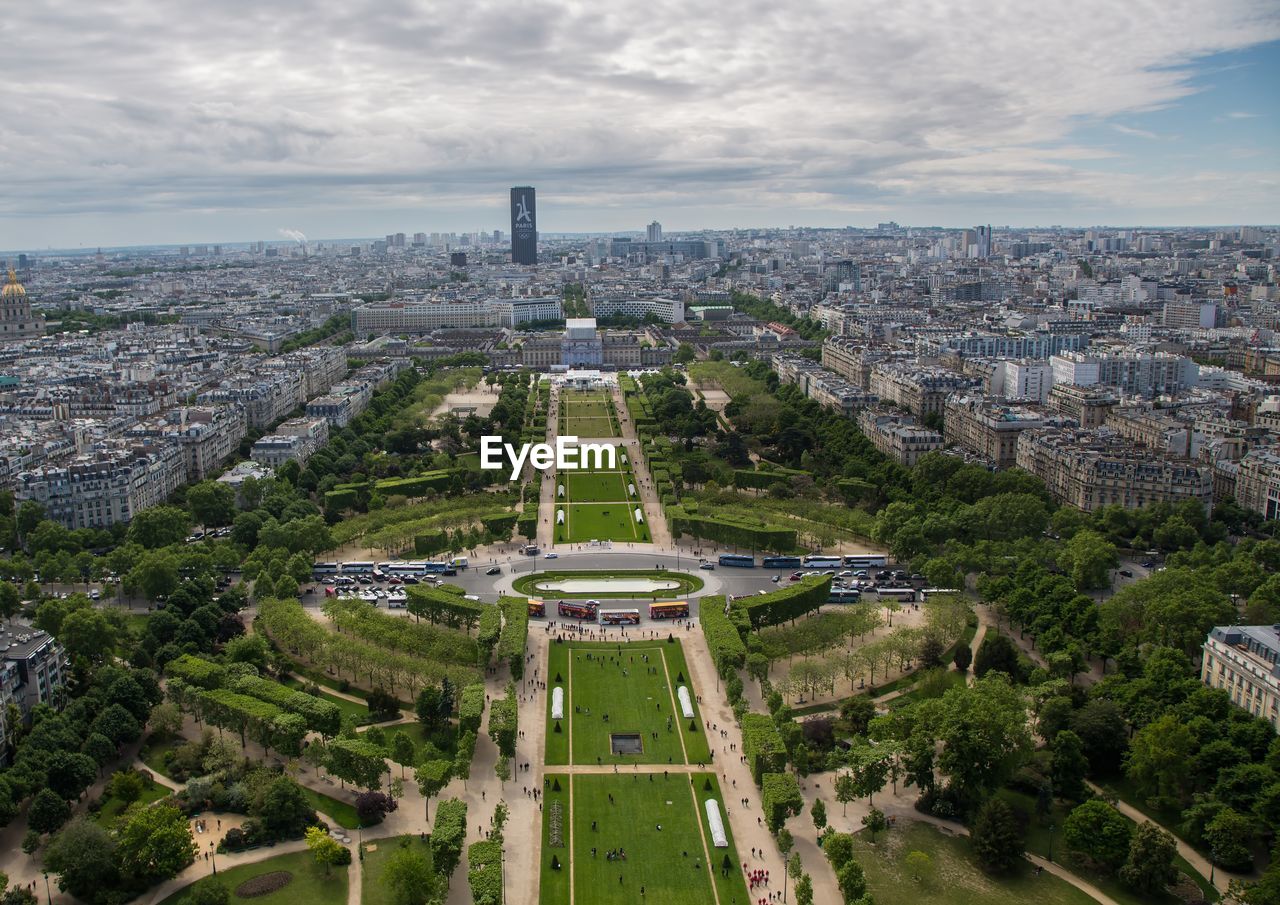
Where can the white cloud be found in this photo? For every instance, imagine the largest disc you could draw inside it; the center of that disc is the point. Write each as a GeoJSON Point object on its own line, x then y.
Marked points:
{"type": "Point", "coordinates": [150, 112]}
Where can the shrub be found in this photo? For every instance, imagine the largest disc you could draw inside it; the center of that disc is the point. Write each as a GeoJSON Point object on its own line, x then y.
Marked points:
{"type": "Point", "coordinates": [264, 884]}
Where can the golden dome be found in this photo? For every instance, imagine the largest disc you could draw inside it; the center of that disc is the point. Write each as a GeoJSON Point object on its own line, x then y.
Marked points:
{"type": "Point", "coordinates": [13, 289]}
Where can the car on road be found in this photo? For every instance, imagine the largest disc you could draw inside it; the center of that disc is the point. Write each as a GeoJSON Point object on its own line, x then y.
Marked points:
{"type": "Point", "coordinates": [493, 570]}
{"type": "Point", "coordinates": [552, 556]}
{"type": "Point", "coordinates": [846, 574]}
{"type": "Point", "coordinates": [1126, 573]}
{"type": "Point", "coordinates": [709, 566]}
{"type": "Point", "coordinates": [1147, 563]}
{"type": "Point", "coordinates": [95, 594]}
{"type": "Point", "coordinates": [409, 579]}
{"type": "Point", "coordinates": [795, 576]}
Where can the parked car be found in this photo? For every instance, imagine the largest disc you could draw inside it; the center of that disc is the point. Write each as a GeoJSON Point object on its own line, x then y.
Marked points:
{"type": "Point", "coordinates": [1127, 573]}
{"type": "Point", "coordinates": [709, 566]}
{"type": "Point", "coordinates": [774, 579]}
{"type": "Point", "coordinates": [551, 556]}
{"type": "Point", "coordinates": [493, 570]}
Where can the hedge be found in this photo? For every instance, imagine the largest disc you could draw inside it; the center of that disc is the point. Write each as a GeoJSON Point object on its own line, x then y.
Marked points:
{"type": "Point", "coordinates": [490, 631]}
{"type": "Point", "coordinates": [763, 745]}
{"type": "Point", "coordinates": [731, 532]}
{"type": "Point", "coordinates": [339, 500]}
{"type": "Point", "coordinates": [515, 634]}
{"type": "Point", "coordinates": [471, 708]}
{"type": "Point", "coordinates": [484, 872]}
{"type": "Point", "coordinates": [762, 480]}
{"type": "Point", "coordinates": [448, 835]}
{"type": "Point", "coordinates": [320, 715]}
{"type": "Point", "coordinates": [780, 798]}
{"type": "Point", "coordinates": [438, 605]}
{"type": "Point", "coordinates": [504, 722]}
{"type": "Point", "coordinates": [197, 671]}
{"type": "Point", "coordinates": [357, 761]}
{"type": "Point", "coordinates": [500, 525]}
{"type": "Point", "coordinates": [787, 603]}
{"type": "Point", "coordinates": [431, 543]}
{"type": "Point", "coordinates": [418, 485]}
{"type": "Point", "coordinates": [728, 652]}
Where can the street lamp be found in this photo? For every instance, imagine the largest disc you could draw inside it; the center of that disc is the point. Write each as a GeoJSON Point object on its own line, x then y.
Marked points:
{"type": "Point", "coordinates": [1051, 829]}
{"type": "Point", "coordinates": [213, 856]}
{"type": "Point", "coordinates": [48, 895]}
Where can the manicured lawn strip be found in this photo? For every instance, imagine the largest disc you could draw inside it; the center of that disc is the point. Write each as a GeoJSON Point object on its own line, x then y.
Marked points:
{"type": "Point", "coordinates": [637, 703]}
{"type": "Point", "coordinates": [309, 884]}
{"type": "Point", "coordinates": [114, 807]}
{"type": "Point", "coordinates": [732, 885]}
{"type": "Point", "coordinates": [373, 891]}
{"type": "Point", "coordinates": [663, 861]}
{"type": "Point", "coordinates": [595, 487]}
{"type": "Point", "coordinates": [527, 584]}
{"type": "Point", "coordinates": [696, 744]}
{"type": "Point", "coordinates": [601, 521]}
{"type": "Point", "coordinates": [587, 427]}
{"type": "Point", "coordinates": [955, 877]}
{"type": "Point", "coordinates": [349, 708]}
{"type": "Point", "coordinates": [555, 883]}
{"type": "Point", "coordinates": [339, 812]}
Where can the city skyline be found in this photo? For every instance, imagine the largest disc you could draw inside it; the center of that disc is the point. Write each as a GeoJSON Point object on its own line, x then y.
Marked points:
{"type": "Point", "coordinates": [162, 126]}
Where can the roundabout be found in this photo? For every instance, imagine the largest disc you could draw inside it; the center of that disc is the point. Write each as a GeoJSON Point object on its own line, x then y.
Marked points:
{"type": "Point", "coordinates": [625, 584]}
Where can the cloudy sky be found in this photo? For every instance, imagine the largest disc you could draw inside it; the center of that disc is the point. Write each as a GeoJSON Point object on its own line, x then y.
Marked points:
{"type": "Point", "coordinates": [141, 121]}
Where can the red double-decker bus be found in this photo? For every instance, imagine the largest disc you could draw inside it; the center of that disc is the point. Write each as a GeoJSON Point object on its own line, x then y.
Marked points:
{"type": "Point", "coordinates": [571, 610]}
{"type": "Point", "coordinates": [620, 617]}
{"type": "Point", "coordinates": [669, 611]}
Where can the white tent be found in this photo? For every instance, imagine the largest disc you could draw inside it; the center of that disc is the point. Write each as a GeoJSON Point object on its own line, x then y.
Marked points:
{"type": "Point", "coordinates": [718, 838]}
{"type": "Point", "coordinates": [639, 516]}
{"type": "Point", "coordinates": [557, 703]}
{"type": "Point", "coordinates": [624, 458]}
{"type": "Point", "coordinates": [686, 705]}
{"type": "Point", "coordinates": [560, 490]}
{"type": "Point", "coordinates": [631, 490]}
{"type": "Point", "coordinates": [559, 516]}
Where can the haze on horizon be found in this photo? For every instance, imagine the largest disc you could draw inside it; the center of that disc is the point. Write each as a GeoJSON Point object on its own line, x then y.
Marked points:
{"type": "Point", "coordinates": [165, 123]}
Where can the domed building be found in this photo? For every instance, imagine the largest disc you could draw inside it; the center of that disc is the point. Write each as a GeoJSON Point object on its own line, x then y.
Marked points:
{"type": "Point", "coordinates": [16, 319]}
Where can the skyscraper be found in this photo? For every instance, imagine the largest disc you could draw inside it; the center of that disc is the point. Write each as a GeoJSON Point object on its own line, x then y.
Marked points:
{"type": "Point", "coordinates": [653, 232]}
{"type": "Point", "coordinates": [524, 225]}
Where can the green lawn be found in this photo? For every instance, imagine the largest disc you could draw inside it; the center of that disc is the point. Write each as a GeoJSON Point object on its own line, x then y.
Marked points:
{"type": "Point", "coordinates": [955, 878]}
{"type": "Point", "coordinates": [445, 739]}
{"type": "Point", "coordinates": [114, 807]}
{"type": "Point", "coordinates": [152, 754]}
{"type": "Point", "coordinates": [595, 487]}
{"type": "Point", "coordinates": [587, 427]}
{"type": "Point", "coordinates": [670, 863]}
{"type": "Point", "coordinates": [555, 882]}
{"type": "Point", "coordinates": [639, 702]}
{"type": "Point", "coordinates": [531, 584]}
{"type": "Point", "coordinates": [309, 884]}
{"type": "Point", "coordinates": [373, 891]}
{"type": "Point", "coordinates": [601, 521]}
{"type": "Point", "coordinates": [339, 812]}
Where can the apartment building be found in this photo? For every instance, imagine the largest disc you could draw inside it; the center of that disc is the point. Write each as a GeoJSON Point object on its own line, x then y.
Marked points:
{"type": "Point", "coordinates": [667, 310]}
{"type": "Point", "coordinates": [208, 435]}
{"type": "Point", "coordinates": [295, 440]}
{"type": "Point", "coordinates": [421, 316]}
{"type": "Point", "coordinates": [265, 399]}
{"type": "Point", "coordinates": [851, 359]}
{"type": "Point", "coordinates": [1257, 482]}
{"type": "Point", "coordinates": [1092, 469]}
{"type": "Point", "coordinates": [822, 385]}
{"type": "Point", "coordinates": [987, 428]}
{"type": "Point", "coordinates": [516, 311]}
{"type": "Point", "coordinates": [1155, 430]}
{"type": "Point", "coordinates": [1029, 380]}
{"type": "Point", "coordinates": [1139, 373]}
{"type": "Point", "coordinates": [897, 436]}
{"type": "Point", "coordinates": [1087, 406]}
{"type": "Point", "coordinates": [921, 391]}
{"type": "Point", "coordinates": [1244, 661]}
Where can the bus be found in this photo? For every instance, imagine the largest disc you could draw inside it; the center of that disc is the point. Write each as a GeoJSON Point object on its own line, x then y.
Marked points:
{"type": "Point", "coordinates": [324, 568]}
{"type": "Point", "coordinates": [902, 595]}
{"type": "Point", "coordinates": [845, 595]}
{"type": "Point", "coordinates": [537, 607]}
{"type": "Point", "coordinates": [926, 593]}
{"type": "Point", "coordinates": [620, 617]}
{"type": "Point", "coordinates": [866, 560]}
{"type": "Point", "coordinates": [357, 568]}
{"type": "Point", "coordinates": [405, 568]}
{"type": "Point", "coordinates": [531, 550]}
{"type": "Point", "coordinates": [668, 610]}
{"type": "Point", "coordinates": [572, 610]}
{"type": "Point", "coordinates": [740, 560]}
{"type": "Point", "coordinates": [822, 562]}
{"type": "Point", "coordinates": [434, 568]}
{"type": "Point", "coordinates": [782, 562]}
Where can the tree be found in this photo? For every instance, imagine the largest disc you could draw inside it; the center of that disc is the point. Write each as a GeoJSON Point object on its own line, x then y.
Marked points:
{"type": "Point", "coordinates": [428, 706]}
{"type": "Point", "coordinates": [869, 768]}
{"type": "Point", "coordinates": [69, 773]}
{"type": "Point", "coordinates": [324, 848]}
{"type": "Point", "coordinates": [10, 600]}
{"type": "Point", "coordinates": [919, 865]}
{"type": "Point", "coordinates": [804, 886]}
{"type": "Point", "coordinates": [1102, 729]}
{"type": "Point", "coordinates": [209, 891]}
{"type": "Point", "coordinates": [819, 812]}
{"type": "Point", "coordinates": [431, 776]}
{"type": "Point", "coordinates": [875, 822]}
{"type": "Point", "coordinates": [373, 807]}
{"type": "Point", "coordinates": [403, 750]}
{"type": "Point", "coordinates": [846, 791]}
{"type": "Point", "coordinates": [1069, 765]}
{"type": "Point", "coordinates": [1100, 832]}
{"type": "Point", "coordinates": [48, 811]}
{"type": "Point", "coordinates": [983, 730]}
{"type": "Point", "coordinates": [165, 720]}
{"type": "Point", "coordinates": [408, 873]}
{"type": "Point", "coordinates": [996, 837]}
{"type": "Point", "coordinates": [212, 503]}
{"type": "Point", "coordinates": [83, 856]}
{"type": "Point", "coordinates": [155, 575]}
{"type": "Point", "coordinates": [126, 786]}
{"type": "Point", "coordinates": [1229, 836]}
{"type": "Point", "coordinates": [87, 633]}
{"type": "Point", "coordinates": [285, 811]}
{"type": "Point", "coordinates": [838, 848]}
{"type": "Point", "coordinates": [159, 526]}
{"type": "Point", "coordinates": [852, 881]}
{"type": "Point", "coordinates": [1160, 758]}
{"type": "Point", "coordinates": [1149, 868]}
{"type": "Point", "coordinates": [963, 657]}
{"type": "Point", "coordinates": [155, 844]}
{"type": "Point", "coordinates": [1088, 558]}
{"type": "Point", "coordinates": [858, 711]}
{"type": "Point", "coordinates": [997, 653]}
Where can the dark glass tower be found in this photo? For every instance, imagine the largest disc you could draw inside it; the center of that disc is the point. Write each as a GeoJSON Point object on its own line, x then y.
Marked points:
{"type": "Point", "coordinates": [524, 225]}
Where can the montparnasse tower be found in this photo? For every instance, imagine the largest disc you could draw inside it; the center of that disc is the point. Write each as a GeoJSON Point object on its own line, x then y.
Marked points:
{"type": "Point", "coordinates": [16, 319]}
